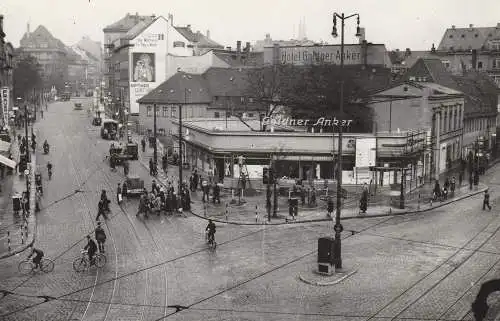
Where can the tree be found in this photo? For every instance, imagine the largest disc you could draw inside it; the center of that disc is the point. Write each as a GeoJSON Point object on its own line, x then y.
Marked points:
{"type": "Point", "coordinates": [313, 91]}
{"type": "Point", "coordinates": [268, 86]}
{"type": "Point", "coordinates": [26, 76]}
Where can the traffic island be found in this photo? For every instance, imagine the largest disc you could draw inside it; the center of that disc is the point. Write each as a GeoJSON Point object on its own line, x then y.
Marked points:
{"type": "Point", "coordinates": [312, 276]}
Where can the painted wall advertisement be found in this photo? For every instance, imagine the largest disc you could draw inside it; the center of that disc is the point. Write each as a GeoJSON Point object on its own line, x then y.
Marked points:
{"type": "Point", "coordinates": [4, 98]}
{"type": "Point", "coordinates": [147, 62]}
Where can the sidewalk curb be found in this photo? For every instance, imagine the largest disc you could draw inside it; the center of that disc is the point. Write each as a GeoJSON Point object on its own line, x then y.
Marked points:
{"type": "Point", "coordinates": [316, 283]}
{"type": "Point", "coordinates": [32, 221]}
{"type": "Point", "coordinates": [344, 218]}
{"type": "Point", "coordinates": [479, 191]}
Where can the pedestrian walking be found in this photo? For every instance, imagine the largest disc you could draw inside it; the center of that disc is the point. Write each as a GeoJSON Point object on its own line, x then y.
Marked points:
{"type": "Point", "coordinates": [151, 165]}
{"type": "Point", "coordinates": [329, 206]}
{"type": "Point", "coordinates": [453, 185]}
{"type": "Point", "coordinates": [471, 181]}
{"type": "Point", "coordinates": [125, 168]}
{"type": "Point", "coordinates": [196, 179]}
{"type": "Point", "coordinates": [206, 190]}
{"type": "Point", "coordinates": [143, 144]}
{"type": "Point", "coordinates": [119, 196]}
{"type": "Point", "coordinates": [216, 190]}
{"type": "Point", "coordinates": [41, 113]}
{"type": "Point", "coordinates": [100, 237]}
{"type": "Point", "coordinates": [486, 200]}
{"type": "Point", "coordinates": [164, 164]}
{"type": "Point", "coordinates": [101, 210]}
{"type": "Point", "coordinates": [143, 204]}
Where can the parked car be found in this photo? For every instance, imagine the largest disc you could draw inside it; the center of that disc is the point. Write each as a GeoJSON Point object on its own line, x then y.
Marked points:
{"type": "Point", "coordinates": [133, 186]}
{"type": "Point", "coordinates": [78, 106]}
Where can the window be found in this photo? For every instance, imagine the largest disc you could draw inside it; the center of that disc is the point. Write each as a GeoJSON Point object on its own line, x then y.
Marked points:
{"type": "Point", "coordinates": [216, 114]}
{"type": "Point", "coordinates": [165, 111]}
{"type": "Point", "coordinates": [476, 35]}
{"type": "Point", "coordinates": [250, 100]}
{"type": "Point", "coordinates": [216, 98]}
{"type": "Point", "coordinates": [480, 65]}
{"type": "Point", "coordinates": [161, 36]}
{"type": "Point", "coordinates": [451, 36]}
{"type": "Point", "coordinates": [250, 114]}
{"type": "Point", "coordinates": [149, 111]}
{"type": "Point", "coordinates": [242, 99]}
{"type": "Point", "coordinates": [451, 48]}
{"type": "Point", "coordinates": [463, 36]}
{"type": "Point", "coordinates": [173, 111]}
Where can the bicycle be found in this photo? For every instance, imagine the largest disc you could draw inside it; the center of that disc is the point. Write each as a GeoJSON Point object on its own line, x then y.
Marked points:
{"type": "Point", "coordinates": [82, 263]}
{"type": "Point", "coordinates": [212, 245]}
{"type": "Point", "coordinates": [27, 266]}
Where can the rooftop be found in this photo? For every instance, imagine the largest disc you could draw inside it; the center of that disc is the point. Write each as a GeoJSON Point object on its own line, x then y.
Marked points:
{"type": "Point", "coordinates": [200, 39]}
{"type": "Point", "coordinates": [126, 23]}
{"type": "Point", "coordinates": [468, 38]}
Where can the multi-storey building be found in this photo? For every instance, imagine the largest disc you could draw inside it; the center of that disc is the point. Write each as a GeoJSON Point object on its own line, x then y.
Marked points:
{"type": "Point", "coordinates": [83, 69]}
{"type": "Point", "coordinates": [51, 55]}
{"type": "Point", "coordinates": [93, 52]}
{"type": "Point", "coordinates": [137, 56]}
{"type": "Point", "coordinates": [460, 50]}
{"type": "Point", "coordinates": [6, 75]}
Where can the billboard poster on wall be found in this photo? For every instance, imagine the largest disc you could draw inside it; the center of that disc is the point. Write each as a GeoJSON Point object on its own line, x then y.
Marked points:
{"type": "Point", "coordinates": [366, 152]}
{"type": "Point", "coordinates": [4, 99]}
{"type": "Point", "coordinates": [143, 76]}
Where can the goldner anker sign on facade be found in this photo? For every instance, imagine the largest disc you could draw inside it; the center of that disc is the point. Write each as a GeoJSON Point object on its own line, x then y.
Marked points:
{"type": "Point", "coordinates": [358, 54]}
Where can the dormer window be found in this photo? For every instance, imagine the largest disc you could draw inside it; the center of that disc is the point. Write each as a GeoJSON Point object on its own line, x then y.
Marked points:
{"type": "Point", "coordinates": [463, 36]}
{"type": "Point", "coordinates": [451, 36]}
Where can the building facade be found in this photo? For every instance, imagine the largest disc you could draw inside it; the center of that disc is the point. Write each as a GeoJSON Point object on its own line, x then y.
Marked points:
{"type": "Point", "coordinates": [428, 107]}
{"type": "Point", "coordinates": [51, 55]}
{"type": "Point", "coordinates": [6, 76]}
{"type": "Point", "coordinates": [136, 40]}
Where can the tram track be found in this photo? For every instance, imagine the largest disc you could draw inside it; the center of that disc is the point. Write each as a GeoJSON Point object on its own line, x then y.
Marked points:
{"type": "Point", "coordinates": [437, 268]}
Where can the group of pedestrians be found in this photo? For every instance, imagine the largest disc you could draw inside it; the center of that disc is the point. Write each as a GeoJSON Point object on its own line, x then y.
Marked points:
{"type": "Point", "coordinates": [165, 200]}
{"type": "Point", "coordinates": [206, 185]}
{"type": "Point", "coordinates": [441, 194]}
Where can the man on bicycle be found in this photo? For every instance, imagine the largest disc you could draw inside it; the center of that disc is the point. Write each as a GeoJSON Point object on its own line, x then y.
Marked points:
{"type": "Point", "coordinates": [91, 248]}
{"type": "Point", "coordinates": [38, 256]}
{"type": "Point", "coordinates": [100, 237]}
{"type": "Point", "coordinates": [211, 231]}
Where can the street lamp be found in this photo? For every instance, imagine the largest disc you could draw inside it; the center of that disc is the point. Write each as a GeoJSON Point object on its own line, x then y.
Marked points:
{"type": "Point", "coordinates": [181, 162]}
{"type": "Point", "coordinates": [338, 227]}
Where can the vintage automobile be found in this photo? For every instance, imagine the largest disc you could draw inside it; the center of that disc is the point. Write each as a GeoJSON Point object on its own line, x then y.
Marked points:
{"type": "Point", "coordinates": [109, 129]}
{"type": "Point", "coordinates": [97, 121]}
{"type": "Point", "coordinates": [78, 106]}
{"type": "Point", "coordinates": [123, 152]}
{"type": "Point", "coordinates": [133, 186]}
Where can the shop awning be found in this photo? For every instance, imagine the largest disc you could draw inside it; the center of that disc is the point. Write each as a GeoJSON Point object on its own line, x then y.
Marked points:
{"type": "Point", "coordinates": [7, 162]}
{"type": "Point", "coordinates": [4, 146]}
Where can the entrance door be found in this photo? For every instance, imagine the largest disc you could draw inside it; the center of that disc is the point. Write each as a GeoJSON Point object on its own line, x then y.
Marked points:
{"type": "Point", "coordinates": [219, 169]}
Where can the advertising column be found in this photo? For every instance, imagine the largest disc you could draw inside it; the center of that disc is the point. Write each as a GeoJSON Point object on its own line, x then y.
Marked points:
{"type": "Point", "coordinates": [147, 60]}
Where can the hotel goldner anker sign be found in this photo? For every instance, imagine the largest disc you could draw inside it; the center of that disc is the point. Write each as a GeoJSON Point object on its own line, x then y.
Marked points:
{"type": "Point", "coordinates": [330, 54]}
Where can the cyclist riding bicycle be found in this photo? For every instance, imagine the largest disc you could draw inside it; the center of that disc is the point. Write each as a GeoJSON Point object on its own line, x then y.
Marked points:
{"type": "Point", "coordinates": [211, 231]}
{"type": "Point", "coordinates": [91, 248]}
{"type": "Point", "coordinates": [38, 256]}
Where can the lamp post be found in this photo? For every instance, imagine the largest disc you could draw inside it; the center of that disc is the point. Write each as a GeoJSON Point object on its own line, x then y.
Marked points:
{"type": "Point", "coordinates": [181, 159]}
{"type": "Point", "coordinates": [338, 227]}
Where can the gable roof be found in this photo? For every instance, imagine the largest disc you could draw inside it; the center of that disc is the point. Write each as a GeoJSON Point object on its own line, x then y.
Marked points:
{"type": "Point", "coordinates": [227, 81]}
{"type": "Point", "coordinates": [433, 70]}
{"type": "Point", "coordinates": [173, 91]}
{"type": "Point", "coordinates": [468, 38]}
{"type": "Point", "coordinates": [140, 27]}
{"type": "Point", "coordinates": [42, 34]}
{"type": "Point", "coordinates": [126, 23]}
{"type": "Point", "coordinates": [200, 39]}
{"type": "Point", "coordinates": [481, 92]}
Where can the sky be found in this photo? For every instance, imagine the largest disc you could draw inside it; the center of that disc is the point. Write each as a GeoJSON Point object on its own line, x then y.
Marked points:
{"type": "Point", "coordinates": [398, 24]}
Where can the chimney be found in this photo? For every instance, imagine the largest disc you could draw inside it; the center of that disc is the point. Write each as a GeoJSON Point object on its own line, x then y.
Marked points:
{"type": "Point", "coordinates": [28, 29]}
{"type": "Point", "coordinates": [238, 46]}
{"type": "Point", "coordinates": [433, 49]}
{"type": "Point", "coordinates": [471, 26]}
{"type": "Point", "coordinates": [247, 47]}
{"type": "Point", "coordinates": [171, 17]}
{"type": "Point", "coordinates": [453, 27]}
{"type": "Point", "coordinates": [407, 52]}
{"type": "Point", "coordinates": [153, 16]}
{"type": "Point", "coordinates": [208, 34]}
{"type": "Point", "coordinates": [498, 25]}
{"type": "Point", "coordinates": [474, 59]}
{"type": "Point", "coordinates": [228, 48]}
{"type": "Point", "coordinates": [189, 27]}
